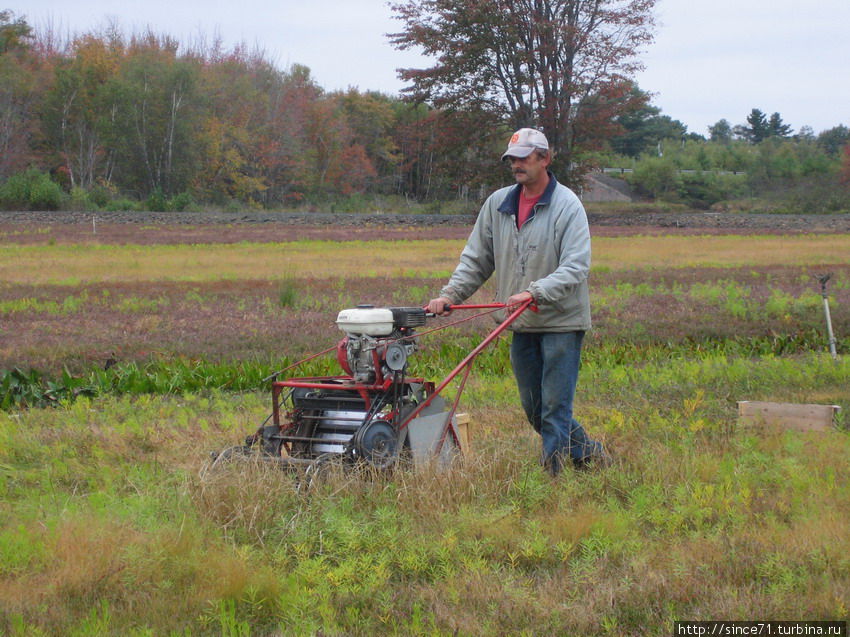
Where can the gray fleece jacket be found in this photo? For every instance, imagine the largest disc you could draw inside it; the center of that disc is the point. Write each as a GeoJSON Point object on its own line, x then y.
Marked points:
{"type": "Point", "coordinates": [549, 256]}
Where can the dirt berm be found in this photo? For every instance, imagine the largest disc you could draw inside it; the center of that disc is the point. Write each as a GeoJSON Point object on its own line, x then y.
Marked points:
{"type": "Point", "coordinates": [714, 221]}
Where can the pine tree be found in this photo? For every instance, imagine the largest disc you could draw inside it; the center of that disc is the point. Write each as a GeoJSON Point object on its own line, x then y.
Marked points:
{"type": "Point", "coordinates": [721, 132]}
{"type": "Point", "coordinates": [776, 127]}
{"type": "Point", "coordinates": [758, 129]}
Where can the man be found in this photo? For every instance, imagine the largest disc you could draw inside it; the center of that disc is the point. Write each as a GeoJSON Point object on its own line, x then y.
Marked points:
{"type": "Point", "coordinates": [534, 236]}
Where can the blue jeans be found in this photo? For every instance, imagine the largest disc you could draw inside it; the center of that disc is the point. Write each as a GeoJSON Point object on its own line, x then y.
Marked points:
{"type": "Point", "coordinates": [546, 368]}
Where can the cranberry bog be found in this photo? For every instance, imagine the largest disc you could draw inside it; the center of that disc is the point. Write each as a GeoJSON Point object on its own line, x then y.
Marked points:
{"type": "Point", "coordinates": [130, 353]}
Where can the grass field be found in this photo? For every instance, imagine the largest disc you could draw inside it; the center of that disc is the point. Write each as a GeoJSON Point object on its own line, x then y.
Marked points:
{"type": "Point", "coordinates": [109, 524]}
{"type": "Point", "coordinates": [72, 264]}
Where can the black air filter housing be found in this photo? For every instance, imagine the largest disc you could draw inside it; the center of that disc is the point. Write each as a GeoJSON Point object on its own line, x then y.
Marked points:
{"type": "Point", "coordinates": [408, 316]}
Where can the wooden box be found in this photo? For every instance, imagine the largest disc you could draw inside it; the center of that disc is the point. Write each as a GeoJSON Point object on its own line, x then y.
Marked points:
{"type": "Point", "coordinates": [462, 424]}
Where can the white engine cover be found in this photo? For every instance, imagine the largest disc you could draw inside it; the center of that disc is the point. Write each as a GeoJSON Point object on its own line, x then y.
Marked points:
{"type": "Point", "coordinates": [372, 321]}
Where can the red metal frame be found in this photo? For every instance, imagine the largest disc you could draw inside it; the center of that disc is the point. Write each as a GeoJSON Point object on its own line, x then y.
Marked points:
{"type": "Point", "coordinates": [325, 382]}
{"type": "Point", "coordinates": [384, 384]}
{"type": "Point", "coordinates": [465, 365]}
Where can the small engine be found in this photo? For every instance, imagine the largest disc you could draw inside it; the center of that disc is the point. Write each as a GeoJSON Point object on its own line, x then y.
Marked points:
{"type": "Point", "coordinates": [377, 341]}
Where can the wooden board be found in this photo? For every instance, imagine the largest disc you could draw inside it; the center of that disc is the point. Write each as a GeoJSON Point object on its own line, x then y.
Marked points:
{"type": "Point", "coordinates": [800, 417]}
{"type": "Point", "coordinates": [462, 425]}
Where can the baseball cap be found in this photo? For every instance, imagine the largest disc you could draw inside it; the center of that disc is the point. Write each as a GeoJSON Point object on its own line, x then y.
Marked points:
{"type": "Point", "coordinates": [524, 142]}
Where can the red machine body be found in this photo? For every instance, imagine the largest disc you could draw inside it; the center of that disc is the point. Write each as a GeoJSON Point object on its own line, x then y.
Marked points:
{"type": "Point", "coordinates": [374, 412]}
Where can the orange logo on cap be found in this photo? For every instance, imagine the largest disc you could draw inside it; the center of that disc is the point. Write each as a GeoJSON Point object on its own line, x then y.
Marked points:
{"type": "Point", "coordinates": [515, 138]}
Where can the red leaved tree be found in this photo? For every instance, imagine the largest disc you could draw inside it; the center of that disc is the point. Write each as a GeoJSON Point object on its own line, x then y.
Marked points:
{"type": "Point", "coordinates": [21, 87]}
{"type": "Point", "coordinates": [538, 63]}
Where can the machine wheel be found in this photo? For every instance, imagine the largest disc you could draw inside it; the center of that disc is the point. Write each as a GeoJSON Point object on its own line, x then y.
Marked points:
{"type": "Point", "coordinates": [377, 444]}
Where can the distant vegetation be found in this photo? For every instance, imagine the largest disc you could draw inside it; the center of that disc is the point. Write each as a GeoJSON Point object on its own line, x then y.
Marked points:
{"type": "Point", "coordinates": [793, 175]}
{"type": "Point", "coordinates": [107, 121]}
{"type": "Point", "coordinates": [760, 166]}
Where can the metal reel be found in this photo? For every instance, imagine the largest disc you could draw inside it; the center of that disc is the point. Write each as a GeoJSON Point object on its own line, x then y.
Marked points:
{"type": "Point", "coordinates": [376, 443]}
{"type": "Point", "coordinates": [313, 473]}
{"type": "Point", "coordinates": [231, 461]}
{"type": "Point", "coordinates": [229, 456]}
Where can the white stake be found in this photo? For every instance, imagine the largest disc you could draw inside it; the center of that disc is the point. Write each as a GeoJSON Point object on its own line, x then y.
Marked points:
{"type": "Point", "coordinates": [823, 279]}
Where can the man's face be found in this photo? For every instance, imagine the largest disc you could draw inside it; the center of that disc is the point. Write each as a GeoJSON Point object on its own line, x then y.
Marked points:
{"type": "Point", "coordinates": [528, 170]}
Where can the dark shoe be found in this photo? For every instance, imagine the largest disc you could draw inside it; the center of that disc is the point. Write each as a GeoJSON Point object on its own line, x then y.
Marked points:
{"type": "Point", "coordinates": [598, 460]}
{"type": "Point", "coordinates": [553, 465]}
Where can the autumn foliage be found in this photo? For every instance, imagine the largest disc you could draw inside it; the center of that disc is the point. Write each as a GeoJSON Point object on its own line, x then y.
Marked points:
{"type": "Point", "coordinates": [562, 66]}
{"type": "Point", "coordinates": [143, 116]}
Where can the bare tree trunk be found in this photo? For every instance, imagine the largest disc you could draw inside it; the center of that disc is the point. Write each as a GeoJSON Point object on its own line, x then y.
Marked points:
{"type": "Point", "coordinates": [176, 101]}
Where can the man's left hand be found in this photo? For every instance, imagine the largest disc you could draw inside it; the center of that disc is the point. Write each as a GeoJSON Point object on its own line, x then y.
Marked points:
{"type": "Point", "coordinates": [518, 299]}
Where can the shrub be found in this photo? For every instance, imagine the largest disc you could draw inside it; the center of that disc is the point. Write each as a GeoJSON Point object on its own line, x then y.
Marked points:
{"type": "Point", "coordinates": [31, 190]}
{"type": "Point", "coordinates": [99, 195]}
{"type": "Point", "coordinates": [121, 204]}
{"type": "Point", "coordinates": [180, 202]}
{"type": "Point", "coordinates": [655, 177]}
{"type": "Point", "coordinates": [820, 195]}
{"type": "Point", "coordinates": [355, 202]}
{"type": "Point", "coordinates": [702, 190]}
{"type": "Point", "coordinates": [156, 201]}
{"type": "Point", "coordinates": [15, 192]}
{"type": "Point", "coordinates": [234, 205]}
{"type": "Point", "coordinates": [45, 195]}
{"type": "Point", "coordinates": [79, 199]}
{"type": "Point", "coordinates": [287, 291]}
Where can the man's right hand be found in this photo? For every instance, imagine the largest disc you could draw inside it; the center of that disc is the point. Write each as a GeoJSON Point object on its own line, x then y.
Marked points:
{"type": "Point", "coordinates": [438, 306]}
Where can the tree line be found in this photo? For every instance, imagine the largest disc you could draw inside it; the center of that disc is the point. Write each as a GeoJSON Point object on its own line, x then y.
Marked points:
{"type": "Point", "coordinates": [761, 165]}
{"type": "Point", "coordinates": [107, 115]}
{"type": "Point", "coordinates": [107, 119]}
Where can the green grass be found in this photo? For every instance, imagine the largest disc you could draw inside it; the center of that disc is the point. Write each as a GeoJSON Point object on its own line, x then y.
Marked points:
{"type": "Point", "coordinates": [110, 524]}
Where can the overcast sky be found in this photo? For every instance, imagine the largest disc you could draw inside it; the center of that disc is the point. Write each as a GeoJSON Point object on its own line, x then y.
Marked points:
{"type": "Point", "coordinates": [712, 59]}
